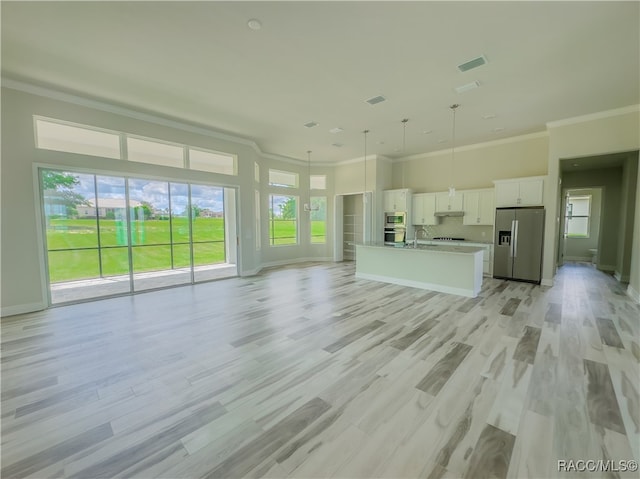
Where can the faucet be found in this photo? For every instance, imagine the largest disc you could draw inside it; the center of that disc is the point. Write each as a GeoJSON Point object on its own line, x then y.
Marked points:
{"type": "Point", "coordinates": [415, 238]}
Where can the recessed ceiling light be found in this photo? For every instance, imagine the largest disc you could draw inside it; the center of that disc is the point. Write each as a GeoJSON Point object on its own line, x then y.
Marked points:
{"type": "Point", "coordinates": [498, 128]}
{"type": "Point", "coordinates": [311, 124]}
{"type": "Point", "coordinates": [381, 143]}
{"type": "Point", "coordinates": [426, 132]}
{"type": "Point", "coordinates": [254, 24]}
{"type": "Point", "coordinates": [469, 86]}
{"type": "Point", "coordinates": [575, 164]}
{"type": "Point", "coordinates": [337, 145]}
{"type": "Point", "coordinates": [489, 116]}
{"type": "Point", "coordinates": [441, 140]}
{"type": "Point", "coordinates": [337, 129]}
{"type": "Point", "coordinates": [375, 100]}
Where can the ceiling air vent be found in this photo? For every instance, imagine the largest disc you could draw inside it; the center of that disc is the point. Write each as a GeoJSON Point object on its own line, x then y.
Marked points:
{"type": "Point", "coordinates": [375, 100]}
{"type": "Point", "coordinates": [471, 64]}
{"type": "Point", "coordinates": [311, 124]}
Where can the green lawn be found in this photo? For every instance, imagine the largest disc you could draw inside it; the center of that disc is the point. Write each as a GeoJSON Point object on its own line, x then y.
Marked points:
{"type": "Point", "coordinates": [149, 254]}
{"type": "Point", "coordinates": [151, 251]}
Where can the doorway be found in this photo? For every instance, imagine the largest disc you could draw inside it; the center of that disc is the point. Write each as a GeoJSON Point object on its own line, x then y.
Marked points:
{"type": "Point", "coordinates": [581, 224]}
{"type": "Point", "coordinates": [111, 235]}
{"type": "Point", "coordinates": [353, 220]}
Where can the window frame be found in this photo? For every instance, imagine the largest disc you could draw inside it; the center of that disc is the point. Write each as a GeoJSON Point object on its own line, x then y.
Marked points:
{"type": "Point", "coordinates": [569, 216]}
{"type": "Point", "coordinates": [272, 220]}
{"type": "Point", "coordinates": [161, 142]}
{"type": "Point", "coordinates": [296, 184]}
{"type": "Point", "coordinates": [311, 235]}
{"type": "Point", "coordinates": [233, 157]}
{"type": "Point", "coordinates": [79, 126]}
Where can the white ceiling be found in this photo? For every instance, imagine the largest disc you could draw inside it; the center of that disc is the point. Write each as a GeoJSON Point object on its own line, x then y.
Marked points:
{"type": "Point", "coordinates": [199, 62]}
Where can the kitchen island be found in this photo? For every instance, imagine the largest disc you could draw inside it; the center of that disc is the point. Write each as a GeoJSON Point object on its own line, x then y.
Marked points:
{"type": "Point", "coordinates": [443, 268]}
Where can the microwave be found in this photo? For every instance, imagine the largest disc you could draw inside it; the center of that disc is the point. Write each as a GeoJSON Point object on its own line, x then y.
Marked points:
{"type": "Point", "coordinates": [395, 220]}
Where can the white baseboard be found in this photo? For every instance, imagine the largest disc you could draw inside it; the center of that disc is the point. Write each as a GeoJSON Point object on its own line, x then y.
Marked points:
{"type": "Point", "coordinates": [285, 262]}
{"type": "Point", "coordinates": [418, 284]}
{"type": "Point", "coordinates": [250, 272]}
{"type": "Point", "coordinates": [606, 267]}
{"type": "Point", "coordinates": [578, 258]}
{"type": "Point", "coordinates": [546, 282]}
{"type": "Point", "coordinates": [633, 294]}
{"type": "Point", "coordinates": [22, 309]}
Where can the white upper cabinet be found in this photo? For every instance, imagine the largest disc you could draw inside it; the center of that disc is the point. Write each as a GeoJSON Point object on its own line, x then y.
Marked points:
{"type": "Point", "coordinates": [479, 207]}
{"type": "Point", "coordinates": [444, 202]}
{"type": "Point", "coordinates": [424, 208]}
{"type": "Point", "coordinates": [520, 192]}
{"type": "Point", "coordinates": [396, 200]}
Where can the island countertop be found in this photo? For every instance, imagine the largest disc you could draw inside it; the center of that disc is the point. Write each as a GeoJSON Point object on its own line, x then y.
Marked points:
{"type": "Point", "coordinates": [443, 248]}
{"type": "Point", "coordinates": [444, 268]}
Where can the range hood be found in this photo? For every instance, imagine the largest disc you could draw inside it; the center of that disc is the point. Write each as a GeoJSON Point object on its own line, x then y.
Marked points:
{"type": "Point", "coordinates": [448, 213]}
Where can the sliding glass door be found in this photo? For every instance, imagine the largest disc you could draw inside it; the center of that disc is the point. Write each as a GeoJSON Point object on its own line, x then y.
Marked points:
{"type": "Point", "coordinates": [109, 235]}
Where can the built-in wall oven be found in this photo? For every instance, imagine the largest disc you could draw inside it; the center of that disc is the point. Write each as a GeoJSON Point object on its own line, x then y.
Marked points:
{"type": "Point", "coordinates": [395, 228]}
{"type": "Point", "coordinates": [394, 236]}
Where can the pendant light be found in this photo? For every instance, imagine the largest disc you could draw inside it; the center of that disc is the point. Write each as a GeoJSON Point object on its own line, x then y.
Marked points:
{"type": "Point", "coordinates": [365, 164]}
{"type": "Point", "coordinates": [309, 206]}
{"type": "Point", "coordinates": [404, 145]}
{"type": "Point", "coordinates": [452, 190]}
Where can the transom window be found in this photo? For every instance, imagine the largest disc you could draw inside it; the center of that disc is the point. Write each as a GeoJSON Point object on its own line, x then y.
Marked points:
{"type": "Point", "coordinates": [286, 179]}
{"type": "Point", "coordinates": [212, 161]}
{"type": "Point", "coordinates": [63, 136]}
{"type": "Point", "coordinates": [59, 136]}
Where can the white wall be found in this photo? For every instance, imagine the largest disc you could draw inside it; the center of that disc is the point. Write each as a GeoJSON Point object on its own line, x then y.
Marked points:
{"type": "Point", "coordinates": [475, 166]}
{"type": "Point", "coordinates": [602, 133]}
{"type": "Point", "coordinates": [634, 275]}
{"type": "Point", "coordinates": [23, 285]}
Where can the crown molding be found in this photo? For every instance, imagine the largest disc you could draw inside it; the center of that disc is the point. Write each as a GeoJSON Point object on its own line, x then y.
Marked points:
{"type": "Point", "coordinates": [475, 146]}
{"type": "Point", "coordinates": [137, 115]}
{"type": "Point", "coordinates": [359, 160]}
{"type": "Point", "coordinates": [594, 116]}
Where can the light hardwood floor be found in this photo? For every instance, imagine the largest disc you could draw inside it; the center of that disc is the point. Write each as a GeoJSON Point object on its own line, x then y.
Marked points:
{"type": "Point", "coordinates": [308, 372]}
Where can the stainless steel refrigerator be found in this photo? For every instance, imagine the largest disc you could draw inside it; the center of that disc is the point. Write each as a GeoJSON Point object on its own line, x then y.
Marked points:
{"type": "Point", "coordinates": [518, 243]}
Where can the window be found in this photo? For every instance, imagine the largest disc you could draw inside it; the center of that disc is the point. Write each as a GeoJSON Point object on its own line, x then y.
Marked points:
{"type": "Point", "coordinates": [578, 216]}
{"type": "Point", "coordinates": [257, 220]}
{"type": "Point", "coordinates": [256, 171]}
{"type": "Point", "coordinates": [283, 220]}
{"type": "Point", "coordinates": [319, 219]}
{"type": "Point", "coordinates": [52, 135]}
{"type": "Point", "coordinates": [155, 152]}
{"type": "Point", "coordinates": [113, 234]}
{"type": "Point", "coordinates": [286, 179]}
{"type": "Point", "coordinates": [318, 182]}
{"type": "Point", "coordinates": [214, 162]}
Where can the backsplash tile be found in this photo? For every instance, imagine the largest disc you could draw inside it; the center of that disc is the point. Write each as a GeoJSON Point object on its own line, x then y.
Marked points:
{"type": "Point", "coordinates": [452, 226]}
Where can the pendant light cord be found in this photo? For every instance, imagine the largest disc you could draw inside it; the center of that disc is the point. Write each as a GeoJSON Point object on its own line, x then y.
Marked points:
{"type": "Point", "coordinates": [404, 145]}
{"type": "Point", "coordinates": [453, 148]}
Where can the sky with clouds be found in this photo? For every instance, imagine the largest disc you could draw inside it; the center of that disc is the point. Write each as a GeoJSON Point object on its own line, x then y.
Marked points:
{"type": "Point", "coordinates": [153, 192]}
